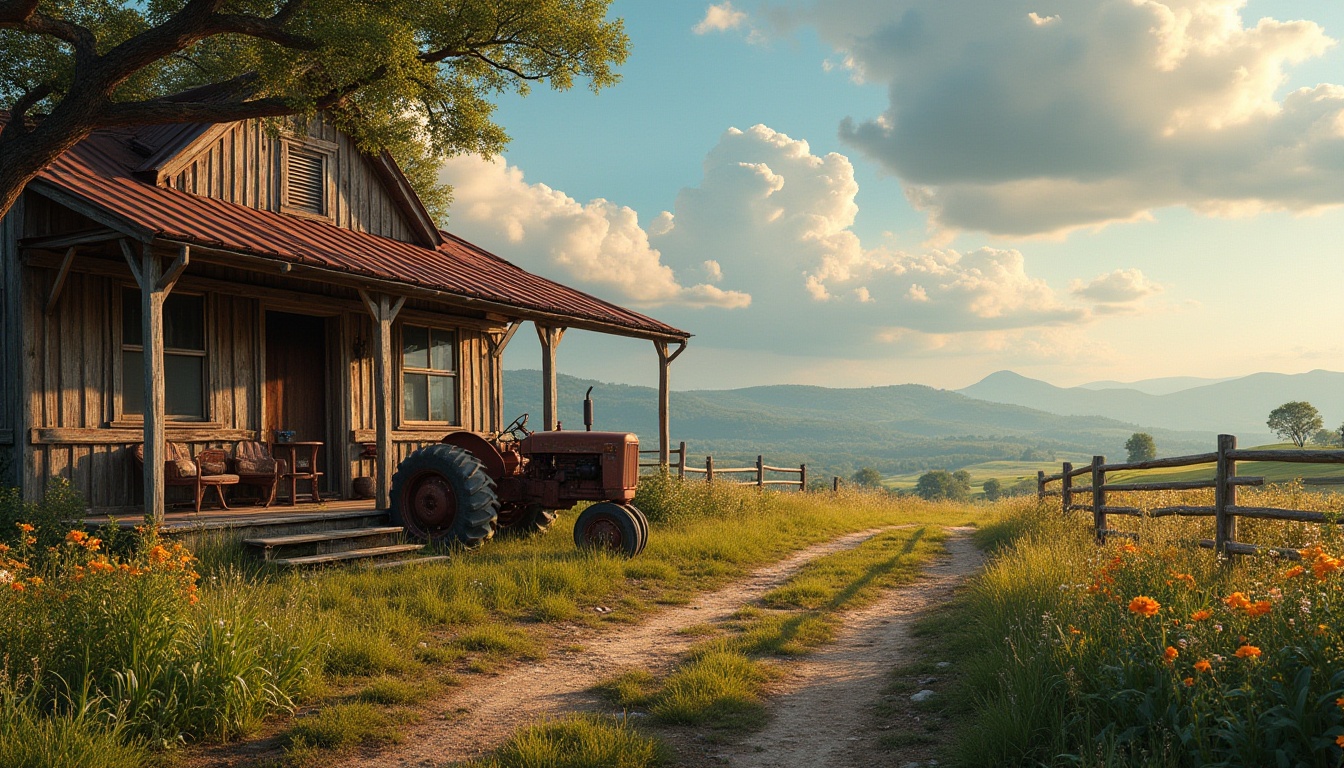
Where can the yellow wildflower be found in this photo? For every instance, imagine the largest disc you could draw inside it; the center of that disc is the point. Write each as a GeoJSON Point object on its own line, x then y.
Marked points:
{"type": "Point", "coordinates": [1248, 652]}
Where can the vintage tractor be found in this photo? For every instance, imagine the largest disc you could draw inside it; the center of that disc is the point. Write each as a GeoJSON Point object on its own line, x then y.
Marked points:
{"type": "Point", "coordinates": [469, 486]}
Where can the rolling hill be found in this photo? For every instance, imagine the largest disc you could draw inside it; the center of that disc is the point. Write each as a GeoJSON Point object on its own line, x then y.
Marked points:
{"type": "Point", "coordinates": [1239, 406]}
{"type": "Point", "coordinates": [895, 429]}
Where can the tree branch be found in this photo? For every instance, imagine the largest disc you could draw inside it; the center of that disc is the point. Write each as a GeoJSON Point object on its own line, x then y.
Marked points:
{"type": "Point", "coordinates": [18, 114]}
{"type": "Point", "coordinates": [263, 29]}
{"type": "Point", "coordinates": [16, 10]}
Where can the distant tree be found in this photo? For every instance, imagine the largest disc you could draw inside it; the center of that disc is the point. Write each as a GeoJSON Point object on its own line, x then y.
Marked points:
{"type": "Point", "coordinates": [1326, 438]}
{"type": "Point", "coordinates": [993, 489]}
{"type": "Point", "coordinates": [867, 477]}
{"type": "Point", "coordinates": [1141, 447]}
{"type": "Point", "coordinates": [963, 477]}
{"type": "Point", "coordinates": [1296, 421]}
{"type": "Point", "coordinates": [939, 484]}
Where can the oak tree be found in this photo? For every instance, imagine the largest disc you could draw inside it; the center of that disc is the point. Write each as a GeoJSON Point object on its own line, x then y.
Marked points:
{"type": "Point", "coordinates": [415, 77]}
{"type": "Point", "coordinates": [1296, 421]}
{"type": "Point", "coordinates": [1141, 447]}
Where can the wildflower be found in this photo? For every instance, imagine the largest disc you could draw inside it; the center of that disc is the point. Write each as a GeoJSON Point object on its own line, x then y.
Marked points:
{"type": "Point", "coordinates": [1074, 630]}
{"type": "Point", "coordinates": [1201, 615]}
{"type": "Point", "coordinates": [17, 586]}
{"type": "Point", "coordinates": [158, 555]}
{"type": "Point", "coordinates": [1170, 654]}
{"type": "Point", "coordinates": [1248, 652]}
{"type": "Point", "coordinates": [93, 544]}
{"type": "Point", "coordinates": [1237, 600]}
{"type": "Point", "coordinates": [1340, 702]}
{"type": "Point", "coordinates": [1203, 665]}
{"type": "Point", "coordinates": [1144, 606]}
{"type": "Point", "coordinates": [1185, 577]}
{"type": "Point", "coordinates": [1294, 572]}
{"type": "Point", "coordinates": [25, 528]}
{"type": "Point", "coordinates": [30, 541]}
{"type": "Point", "coordinates": [76, 537]}
{"type": "Point", "coordinates": [4, 548]}
{"type": "Point", "coordinates": [1128, 548]}
{"type": "Point", "coordinates": [1189, 681]}
{"type": "Point", "coordinates": [1259, 608]}
{"type": "Point", "coordinates": [1321, 629]}
{"type": "Point", "coordinates": [36, 581]}
{"type": "Point", "coordinates": [6, 577]}
{"type": "Point", "coordinates": [1339, 741]}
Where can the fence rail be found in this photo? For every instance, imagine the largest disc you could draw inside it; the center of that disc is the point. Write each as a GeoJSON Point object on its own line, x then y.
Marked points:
{"type": "Point", "coordinates": [1225, 509]}
{"type": "Point", "coordinates": [709, 471]}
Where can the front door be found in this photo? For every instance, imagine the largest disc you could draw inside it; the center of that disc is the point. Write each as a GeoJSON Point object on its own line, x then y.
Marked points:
{"type": "Point", "coordinates": [296, 379]}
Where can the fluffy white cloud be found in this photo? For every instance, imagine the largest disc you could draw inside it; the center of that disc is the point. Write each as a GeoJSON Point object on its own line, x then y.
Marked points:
{"type": "Point", "coordinates": [1029, 118]}
{"type": "Point", "coordinates": [720, 18]}
{"type": "Point", "coordinates": [1118, 288]}
{"type": "Point", "coordinates": [598, 244]}
{"type": "Point", "coordinates": [772, 221]}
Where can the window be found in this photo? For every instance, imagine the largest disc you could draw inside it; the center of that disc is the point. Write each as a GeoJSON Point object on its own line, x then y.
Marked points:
{"type": "Point", "coordinates": [183, 356]}
{"type": "Point", "coordinates": [305, 180]}
{"type": "Point", "coordinates": [428, 375]}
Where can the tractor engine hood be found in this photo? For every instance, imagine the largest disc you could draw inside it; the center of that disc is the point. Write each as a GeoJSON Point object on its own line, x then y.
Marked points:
{"type": "Point", "coordinates": [578, 442]}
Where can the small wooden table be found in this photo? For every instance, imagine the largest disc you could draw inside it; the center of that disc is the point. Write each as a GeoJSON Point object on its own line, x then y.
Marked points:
{"type": "Point", "coordinates": [296, 473]}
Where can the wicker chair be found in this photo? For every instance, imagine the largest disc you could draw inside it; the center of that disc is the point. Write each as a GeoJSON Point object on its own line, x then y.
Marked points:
{"type": "Point", "coordinates": [209, 469]}
{"type": "Point", "coordinates": [254, 465]}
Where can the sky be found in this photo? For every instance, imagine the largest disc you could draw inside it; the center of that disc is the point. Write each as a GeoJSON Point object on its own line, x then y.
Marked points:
{"type": "Point", "coordinates": [858, 193]}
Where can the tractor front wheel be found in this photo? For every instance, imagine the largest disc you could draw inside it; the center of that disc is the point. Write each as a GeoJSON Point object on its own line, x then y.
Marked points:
{"type": "Point", "coordinates": [443, 493]}
{"type": "Point", "coordinates": [609, 527]}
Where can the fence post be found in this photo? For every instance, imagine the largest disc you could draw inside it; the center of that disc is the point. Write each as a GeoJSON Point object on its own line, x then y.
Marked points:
{"type": "Point", "coordinates": [760, 471]}
{"type": "Point", "coordinates": [681, 460]}
{"type": "Point", "coordinates": [835, 483]}
{"type": "Point", "coordinates": [1224, 496]}
{"type": "Point", "coordinates": [709, 469]}
{"type": "Point", "coordinates": [802, 478]}
{"type": "Point", "coordinates": [1098, 498]}
{"type": "Point", "coordinates": [1066, 487]}
{"type": "Point", "coordinates": [1040, 484]}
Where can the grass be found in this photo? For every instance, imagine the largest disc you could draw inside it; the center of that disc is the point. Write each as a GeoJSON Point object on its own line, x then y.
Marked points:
{"type": "Point", "coordinates": [1009, 473]}
{"type": "Point", "coordinates": [722, 681]}
{"type": "Point", "coordinates": [1059, 662]}
{"type": "Point", "coordinates": [578, 741]}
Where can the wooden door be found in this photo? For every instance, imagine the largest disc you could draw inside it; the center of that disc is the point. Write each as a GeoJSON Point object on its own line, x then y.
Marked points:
{"type": "Point", "coordinates": [296, 379]}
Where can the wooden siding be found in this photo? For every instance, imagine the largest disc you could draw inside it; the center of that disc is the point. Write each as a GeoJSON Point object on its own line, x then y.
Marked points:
{"type": "Point", "coordinates": [10, 350]}
{"type": "Point", "coordinates": [72, 374]}
{"type": "Point", "coordinates": [240, 163]}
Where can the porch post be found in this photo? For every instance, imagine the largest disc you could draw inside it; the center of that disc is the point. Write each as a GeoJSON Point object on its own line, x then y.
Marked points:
{"type": "Point", "coordinates": [383, 309]}
{"type": "Point", "coordinates": [550, 391]}
{"type": "Point", "coordinates": [497, 342]}
{"type": "Point", "coordinates": [155, 285]}
{"type": "Point", "coordinates": [665, 398]}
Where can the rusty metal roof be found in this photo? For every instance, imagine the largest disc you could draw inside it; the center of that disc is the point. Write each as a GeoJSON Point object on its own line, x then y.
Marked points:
{"type": "Point", "coordinates": [101, 171]}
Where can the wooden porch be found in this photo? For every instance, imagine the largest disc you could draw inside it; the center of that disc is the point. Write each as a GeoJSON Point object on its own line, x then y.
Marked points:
{"type": "Point", "coordinates": [181, 521]}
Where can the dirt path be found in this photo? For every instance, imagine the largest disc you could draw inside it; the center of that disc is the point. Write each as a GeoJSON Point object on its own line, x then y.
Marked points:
{"type": "Point", "coordinates": [824, 716]}
{"type": "Point", "coordinates": [477, 718]}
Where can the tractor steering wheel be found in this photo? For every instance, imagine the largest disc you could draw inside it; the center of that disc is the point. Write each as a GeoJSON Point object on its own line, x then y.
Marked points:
{"type": "Point", "coordinates": [517, 425]}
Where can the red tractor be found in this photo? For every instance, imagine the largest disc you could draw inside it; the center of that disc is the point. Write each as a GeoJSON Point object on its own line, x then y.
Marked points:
{"type": "Point", "coordinates": [469, 486]}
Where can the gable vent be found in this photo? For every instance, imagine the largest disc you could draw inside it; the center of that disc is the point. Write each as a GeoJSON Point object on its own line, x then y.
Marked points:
{"type": "Point", "coordinates": [305, 181]}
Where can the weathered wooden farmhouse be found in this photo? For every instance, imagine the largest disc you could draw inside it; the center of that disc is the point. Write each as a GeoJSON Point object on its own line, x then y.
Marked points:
{"type": "Point", "coordinates": [208, 284]}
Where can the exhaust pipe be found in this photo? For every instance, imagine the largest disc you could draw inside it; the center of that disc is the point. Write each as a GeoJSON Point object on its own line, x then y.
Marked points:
{"type": "Point", "coordinates": [588, 411]}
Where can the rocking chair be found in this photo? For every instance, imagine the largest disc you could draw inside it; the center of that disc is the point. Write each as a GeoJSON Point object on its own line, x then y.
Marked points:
{"type": "Point", "coordinates": [206, 470]}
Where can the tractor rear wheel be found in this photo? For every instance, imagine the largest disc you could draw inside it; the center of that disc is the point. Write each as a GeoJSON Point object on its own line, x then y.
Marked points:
{"type": "Point", "coordinates": [609, 527]}
{"type": "Point", "coordinates": [443, 493]}
{"type": "Point", "coordinates": [524, 520]}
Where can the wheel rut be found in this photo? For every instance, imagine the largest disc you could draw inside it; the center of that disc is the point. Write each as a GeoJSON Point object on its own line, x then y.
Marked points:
{"type": "Point", "coordinates": [477, 718]}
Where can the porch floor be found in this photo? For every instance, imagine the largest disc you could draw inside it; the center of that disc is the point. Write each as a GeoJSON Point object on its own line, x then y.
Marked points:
{"type": "Point", "coordinates": [185, 521]}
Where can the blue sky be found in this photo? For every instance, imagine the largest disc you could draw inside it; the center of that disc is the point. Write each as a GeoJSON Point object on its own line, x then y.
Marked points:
{"type": "Point", "coordinates": [867, 192]}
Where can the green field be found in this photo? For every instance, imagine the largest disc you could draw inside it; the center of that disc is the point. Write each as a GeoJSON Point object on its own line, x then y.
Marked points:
{"type": "Point", "coordinates": [1009, 473]}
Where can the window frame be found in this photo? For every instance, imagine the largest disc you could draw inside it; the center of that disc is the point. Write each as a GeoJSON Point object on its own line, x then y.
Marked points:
{"type": "Point", "coordinates": [327, 152]}
{"type": "Point", "coordinates": [120, 417]}
{"type": "Point", "coordinates": [403, 370]}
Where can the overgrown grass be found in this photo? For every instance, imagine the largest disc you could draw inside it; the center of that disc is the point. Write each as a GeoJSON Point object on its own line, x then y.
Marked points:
{"type": "Point", "coordinates": [1155, 654]}
{"type": "Point", "coordinates": [578, 741]}
{"type": "Point", "coordinates": [723, 680]}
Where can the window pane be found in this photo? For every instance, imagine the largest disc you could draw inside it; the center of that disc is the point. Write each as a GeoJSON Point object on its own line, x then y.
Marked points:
{"type": "Point", "coordinates": [444, 351]}
{"type": "Point", "coordinates": [132, 383]}
{"type": "Point", "coordinates": [415, 397]}
{"type": "Point", "coordinates": [184, 382]}
{"type": "Point", "coordinates": [414, 347]}
{"type": "Point", "coordinates": [131, 324]}
{"type": "Point", "coordinates": [443, 398]}
{"type": "Point", "coordinates": [184, 322]}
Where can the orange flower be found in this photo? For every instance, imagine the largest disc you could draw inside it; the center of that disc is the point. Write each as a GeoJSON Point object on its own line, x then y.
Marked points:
{"type": "Point", "coordinates": [1203, 665]}
{"type": "Point", "coordinates": [1259, 608]}
{"type": "Point", "coordinates": [1128, 548]}
{"type": "Point", "coordinates": [1237, 600]}
{"type": "Point", "coordinates": [1144, 606]}
{"type": "Point", "coordinates": [1170, 654]}
{"type": "Point", "coordinates": [1185, 577]}
{"type": "Point", "coordinates": [93, 544]}
{"type": "Point", "coordinates": [1189, 681]}
{"type": "Point", "coordinates": [1201, 615]}
{"type": "Point", "coordinates": [1296, 570]}
{"type": "Point", "coordinates": [76, 537]}
{"type": "Point", "coordinates": [158, 555]}
{"type": "Point", "coordinates": [30, 541]}
{"type": "Point", "coordinates": [1324, 565]}
{"type": "Point", "coordinates": [1074, 630]}
{"type": "Point", "coordinates": [17, 586]}
{"type": "Point", "coordinates": [1248, 652]}
{"type": "Point", "coordinates": [26, 528]}
{"type": "Point", "coordinates": [1340, 702]}
{"type": "Point", "coordinates": [1339, 741]}
{"type": "Point", "coordinates": [36, 581]}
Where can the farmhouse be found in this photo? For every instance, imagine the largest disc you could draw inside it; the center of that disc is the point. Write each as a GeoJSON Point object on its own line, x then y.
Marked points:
{"type": "Point", "coordinates": [211, 285]}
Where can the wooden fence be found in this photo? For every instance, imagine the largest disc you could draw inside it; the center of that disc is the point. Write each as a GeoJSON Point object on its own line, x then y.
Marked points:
{"type": "Point", "coordinates": [676, 458]}
{"type": "Point", "coordinates": [711, 473]}
{"type": "Point", "coordinates": [1225, 510]}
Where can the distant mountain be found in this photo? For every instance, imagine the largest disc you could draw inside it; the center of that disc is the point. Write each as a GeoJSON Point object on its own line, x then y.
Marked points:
{"type": "Point", "coordinates": [1162, 386]}
{"type": "Point", "coordinates": [1237, 406]}
{"type": "Point", "coordinates": [894, 429]}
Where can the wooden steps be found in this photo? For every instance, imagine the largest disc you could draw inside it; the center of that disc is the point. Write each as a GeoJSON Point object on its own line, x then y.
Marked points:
{"type": "Point", "coordinates": [320, 536]}
{"type": "Point", "coordinates": [349, 554]}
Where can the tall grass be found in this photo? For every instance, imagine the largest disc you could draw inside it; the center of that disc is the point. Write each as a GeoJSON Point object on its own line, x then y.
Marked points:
{"type": "Point", "coordinates": [1155, 654]}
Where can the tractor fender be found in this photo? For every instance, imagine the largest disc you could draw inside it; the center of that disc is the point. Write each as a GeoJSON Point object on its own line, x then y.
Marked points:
{"type": "Point", "coordinates": [482, 449]}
